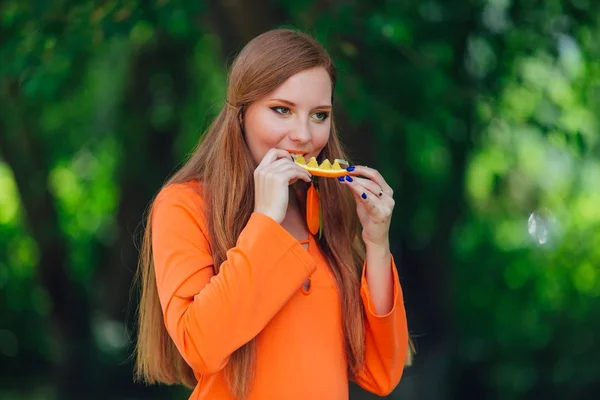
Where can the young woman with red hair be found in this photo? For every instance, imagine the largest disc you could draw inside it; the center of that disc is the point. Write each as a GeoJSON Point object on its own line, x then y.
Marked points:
{"type": "Point", "coordinates": [241, 298]}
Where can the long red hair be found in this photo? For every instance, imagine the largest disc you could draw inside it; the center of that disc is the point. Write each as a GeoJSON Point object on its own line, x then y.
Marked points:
{"type": "Point", "coordinates": [264, 64]}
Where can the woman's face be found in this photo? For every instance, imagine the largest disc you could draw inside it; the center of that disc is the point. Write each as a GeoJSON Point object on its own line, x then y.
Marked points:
{"type": "Point", "coordinates": [294, 117]}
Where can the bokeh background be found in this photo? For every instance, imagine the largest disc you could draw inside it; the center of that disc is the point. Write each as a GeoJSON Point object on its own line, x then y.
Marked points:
{"type": "Point", "coordinates": [483, 115]}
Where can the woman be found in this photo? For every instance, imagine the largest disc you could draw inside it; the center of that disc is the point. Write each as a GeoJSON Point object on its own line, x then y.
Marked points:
{"type": "Point", "coordinates": [239, 300]}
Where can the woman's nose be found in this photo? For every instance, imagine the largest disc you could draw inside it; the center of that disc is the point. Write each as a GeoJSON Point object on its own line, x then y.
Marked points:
{"type": "Point", "coordinates": [300, 133]}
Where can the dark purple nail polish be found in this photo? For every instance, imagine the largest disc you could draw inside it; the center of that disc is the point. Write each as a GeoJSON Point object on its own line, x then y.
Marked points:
{"type": "Point", "coordinates": [350, 168]}
{"type": "Point", "coordinates": [364, 195]}
{"type": "Point", "coordinates": [349, 179]}
{"type": "Point", "coordinates": [341, 179]}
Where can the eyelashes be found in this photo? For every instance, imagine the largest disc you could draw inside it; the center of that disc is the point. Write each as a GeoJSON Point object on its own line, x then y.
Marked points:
{"type": "Point", "coordinates": [282, 110]}
{"type": "Point", "coordinates": [318, 116]}
{"type": "Point", "coordinates": [322, 116]}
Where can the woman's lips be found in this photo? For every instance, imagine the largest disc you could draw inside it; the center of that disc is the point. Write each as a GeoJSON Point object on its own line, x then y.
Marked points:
{"type": "Point", "coordinates": [295, 151]}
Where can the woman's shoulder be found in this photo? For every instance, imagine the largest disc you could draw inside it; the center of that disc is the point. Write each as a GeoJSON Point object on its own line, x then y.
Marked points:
{"type": "Point", "coordinates": [185, 194]}
{"type": "Point", "coordinates": [178, 211]}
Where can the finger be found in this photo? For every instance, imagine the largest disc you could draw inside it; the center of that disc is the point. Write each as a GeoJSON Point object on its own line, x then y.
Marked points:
{"type": "Point", "coordinates": [373, 175]}
{"type": "Point", "coordinates": [277, 164]}
{"type": "Point", "coordinates": [361, 193]}
{"type": "Point", "coordinates": [293, 173]}
{"type": "Point", "coordinates": [264, 169]}
{"type": "Point", "coordinates": [369, 201]}
{"type": "Point", "coordinates": [379, 208]}
{"type": "Point", "coordinates": [367, 184]}
{"type": "Point", "coordinates": [285, 163]}
{"type": "Point", "coordinates": [274, 154]}
{"type": "Point", "coordinates": [287, 170]}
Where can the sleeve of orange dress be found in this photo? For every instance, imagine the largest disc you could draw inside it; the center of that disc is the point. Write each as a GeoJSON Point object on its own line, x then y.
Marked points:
{"type": "Point", "coordinates": [209, 316]}
{"type": "Point", "coordinates": [386, 341]}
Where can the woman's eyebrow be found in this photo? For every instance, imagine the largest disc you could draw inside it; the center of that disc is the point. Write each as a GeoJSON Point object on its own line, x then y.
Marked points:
{"type": "Point", "coordinates": [292, 104]}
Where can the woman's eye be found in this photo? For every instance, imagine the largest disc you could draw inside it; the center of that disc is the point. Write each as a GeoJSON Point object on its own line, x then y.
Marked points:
{"type": "Point", "coordinates": [320, 116]}
{"type": "Point", "coordinates": [281, 110]}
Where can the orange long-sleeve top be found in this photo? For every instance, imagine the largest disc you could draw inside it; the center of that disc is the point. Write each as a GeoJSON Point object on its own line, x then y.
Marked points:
{"type": "Point", "coordinates": [259, 293]}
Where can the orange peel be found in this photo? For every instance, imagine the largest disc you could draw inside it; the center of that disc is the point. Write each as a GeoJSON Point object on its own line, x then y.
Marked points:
{"type": "Point", "coordinates": [326, 169]}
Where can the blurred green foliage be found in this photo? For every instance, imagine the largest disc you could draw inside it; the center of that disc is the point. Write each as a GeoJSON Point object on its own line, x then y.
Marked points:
{"type": "Point", "coordinates": [483, 115]}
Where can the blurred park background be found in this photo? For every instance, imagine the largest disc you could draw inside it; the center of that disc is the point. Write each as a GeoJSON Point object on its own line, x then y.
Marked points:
{"type": "Point", "coordinates": [484, 116]}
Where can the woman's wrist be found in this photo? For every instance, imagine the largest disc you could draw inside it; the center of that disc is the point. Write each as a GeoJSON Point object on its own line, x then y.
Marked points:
{"type": "Point", "coordinates": [378, 248]}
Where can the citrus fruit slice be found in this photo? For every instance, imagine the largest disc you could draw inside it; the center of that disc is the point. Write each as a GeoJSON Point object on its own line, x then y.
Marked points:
{"type": "Point", "coordinates": [326, 169]}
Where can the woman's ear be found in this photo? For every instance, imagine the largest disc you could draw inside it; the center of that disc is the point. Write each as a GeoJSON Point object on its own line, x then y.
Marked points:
{"type": "Point", "coordinates": [241, 117]}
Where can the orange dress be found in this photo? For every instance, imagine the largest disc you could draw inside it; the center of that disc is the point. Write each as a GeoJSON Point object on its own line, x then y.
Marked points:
{"type": "Point", "coordinates": [258, 293]}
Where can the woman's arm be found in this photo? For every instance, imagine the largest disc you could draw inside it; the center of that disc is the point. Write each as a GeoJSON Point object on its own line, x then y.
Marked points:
{"type": "Point", "coordinates": [210, 316]}
{"type": "Point", "coordinates": [380, 278]}
{"type": "Point", "coordinates": [386, 340]}
{"type": "Point", "coordinates": [386, 345]}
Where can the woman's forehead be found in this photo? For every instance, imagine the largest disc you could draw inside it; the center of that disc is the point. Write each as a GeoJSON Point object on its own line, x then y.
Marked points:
{"type": "Point", "coordinates": [310, 87]}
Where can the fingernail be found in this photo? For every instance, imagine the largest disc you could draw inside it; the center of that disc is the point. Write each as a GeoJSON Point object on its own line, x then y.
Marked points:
{"type": "Point", "coordinates": [364, 195]}
{"type": "Point", "coordinates": [341, 179]}
{"type": "Point", "coordinates": [348, 178]}
{"type": "Point", "coordinates": [351, 168]}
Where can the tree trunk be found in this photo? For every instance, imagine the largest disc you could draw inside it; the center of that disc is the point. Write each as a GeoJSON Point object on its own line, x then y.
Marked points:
{"type": "Point", "coordinates": [147, 160]}
{"type": "Point", "coordinates": [236, 22]}
{"type": "Point", "coordinates": [69, 310]}
{"type": "Point", "coordinates": [429, 271]}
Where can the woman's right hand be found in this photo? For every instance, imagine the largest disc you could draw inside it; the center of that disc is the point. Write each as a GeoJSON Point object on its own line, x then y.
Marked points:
{"type": "Point", "coordinates": [272, 178]}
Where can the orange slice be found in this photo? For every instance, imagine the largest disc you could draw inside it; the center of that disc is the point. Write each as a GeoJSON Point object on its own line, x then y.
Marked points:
{"type": "Point", "coordinates": [326, 169]}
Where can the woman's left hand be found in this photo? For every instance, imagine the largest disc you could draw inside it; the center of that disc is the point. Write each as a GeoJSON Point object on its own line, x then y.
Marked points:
{"type": "Point", "coordinates": [374, 204]}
